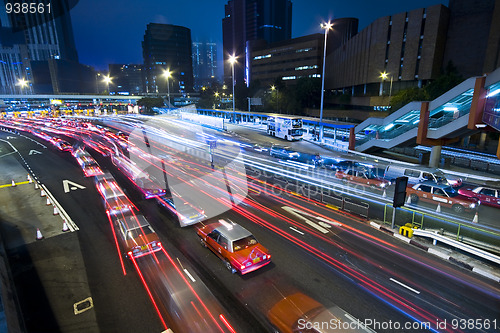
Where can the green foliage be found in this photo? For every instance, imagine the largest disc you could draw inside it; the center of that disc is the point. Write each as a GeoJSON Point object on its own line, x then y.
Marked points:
{"type": "Point", "coordinates": [150, 102]}
{"type": "Point", "coordinates": [406, 96]}
{"type": "Point", "coordinates": [446, 81]}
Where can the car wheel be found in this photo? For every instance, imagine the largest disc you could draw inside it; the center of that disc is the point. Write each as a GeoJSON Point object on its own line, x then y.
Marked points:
{"type": "Point", "coordinates": [413, 198]}
{"type": "Point", "coordinates": [230, 267]}
{"type": "Point", "coordinates": [459, 209]}
{"type": "Point", "coordinates": [202, 242]}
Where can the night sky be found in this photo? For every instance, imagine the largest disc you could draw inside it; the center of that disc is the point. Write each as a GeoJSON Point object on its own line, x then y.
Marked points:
{"type": "Point", "coordinates": [111, 31]}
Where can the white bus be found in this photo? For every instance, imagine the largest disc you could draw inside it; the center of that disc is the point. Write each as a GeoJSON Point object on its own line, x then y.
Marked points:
{"type": "Point", "coordinates": [285, 127]}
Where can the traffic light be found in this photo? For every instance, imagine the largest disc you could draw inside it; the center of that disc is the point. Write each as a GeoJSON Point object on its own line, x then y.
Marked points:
{"type": "Point", "coordinates": [400, 192]}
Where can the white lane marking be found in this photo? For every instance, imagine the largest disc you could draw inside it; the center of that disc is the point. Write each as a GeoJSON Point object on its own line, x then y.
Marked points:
{"type": "Point", "coordinates": [189, 275]}
{"type": "Point", "coordinates": [301, 214]}
{"type": "Point", "coordinates": [75, 186]}
{"type": "Point", "coordinates": [34, 152]}
{"type": "Point", "coordinates": [297, 231]}
{"type": "Point", "coordinates": [404, 285]}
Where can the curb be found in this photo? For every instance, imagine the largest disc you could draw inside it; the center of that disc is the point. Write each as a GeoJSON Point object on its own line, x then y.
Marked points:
{"type": "Point", "coordinates": [479, 270]}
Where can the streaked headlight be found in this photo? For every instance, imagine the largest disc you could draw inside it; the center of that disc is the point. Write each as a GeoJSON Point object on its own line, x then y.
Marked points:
{"type": "Point", "coordinates": [472, 205]}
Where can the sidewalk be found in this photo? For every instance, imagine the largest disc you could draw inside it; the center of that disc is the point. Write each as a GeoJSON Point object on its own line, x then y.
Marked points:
{"type": "Point", "coordinates": [486, 269]}
{"type": "Point", "coordinates": [48, 275]}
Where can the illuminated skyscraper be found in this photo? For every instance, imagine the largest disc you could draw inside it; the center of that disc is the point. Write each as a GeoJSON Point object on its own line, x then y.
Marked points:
{"type": "Point", "coordinates": [35, 39]}
{"type": "Point", "coordinates": [249, 20]}
{"type": "Point", "coordinates": [204, 63]}
{"type": "Point", "coordinates": [167, 46]}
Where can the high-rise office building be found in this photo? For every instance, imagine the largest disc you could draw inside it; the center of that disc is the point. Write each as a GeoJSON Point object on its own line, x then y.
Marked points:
{"type": "Point", "coordinates": [204, 63]}
{"type": "Point", "coordinates": [250, 20]}
{"type": "Point", "coordinates": [35, 37]}
{"type": "Point", "coordinates": [167, 47]}
{"type": "Point", "coordinates": [126, 79]}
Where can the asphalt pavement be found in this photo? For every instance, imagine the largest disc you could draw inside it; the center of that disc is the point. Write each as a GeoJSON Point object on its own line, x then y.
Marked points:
{"type": "Point", "coordinates": [46, 272]}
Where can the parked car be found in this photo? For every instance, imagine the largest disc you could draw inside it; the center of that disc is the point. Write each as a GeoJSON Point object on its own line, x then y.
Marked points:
{"type": "Point", "coordinates": [447, 196]}
{"type": "Point", "coordinates": [235, 245]}
{"type": "Point", "coordinates": [488, 196]}
{"type": "Point", "coordinates": [363, 176]}
{"type": "Point", "coordinates": [419, 174]}
{"type": "Point", "coordinates": [299, 313]}
{"type": "Point", "coordinates": [283, 152]}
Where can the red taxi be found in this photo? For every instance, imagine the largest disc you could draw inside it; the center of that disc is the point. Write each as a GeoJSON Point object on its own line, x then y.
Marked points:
{"type": "Point", "coordinates": [235, 245]}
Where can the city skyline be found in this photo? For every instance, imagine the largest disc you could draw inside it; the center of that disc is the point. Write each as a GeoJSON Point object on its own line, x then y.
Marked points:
{"type": "Point", "coordinates": [123, 33]}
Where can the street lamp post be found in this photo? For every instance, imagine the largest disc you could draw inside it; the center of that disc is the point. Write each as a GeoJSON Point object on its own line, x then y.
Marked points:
{"type": "Point", "coordinates": [273, 88]}
{"type": "Point", "coordinates": [107, 79]}
{"type": "Point", "coordinates": [384, 76]}
{"type": "Point", "coordinates": [167, 74]}
{"type": "Point", "coordinates": [327, 26]}
{"type": "Point", "coordinates": [232, 60]}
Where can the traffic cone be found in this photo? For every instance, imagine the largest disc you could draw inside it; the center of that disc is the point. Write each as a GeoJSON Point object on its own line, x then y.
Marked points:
{"type": "Point", "coordinates": [408, 201]}
{"type": "Point", "coordinates": [65, 226]}
{"type": "Point", "coordinates": [384, 195]}
{"type": "Point", "coordinates": [13, 183]}
{"type": "Point", "coordinates": [42, 193]}
{"type": "Point", "coordinates": [438, 209]}
{"type": "Point", "coordinates": [38, 234]}
{"type": "Point", "coordinates": [476, 218]}
{"type": "Point", "coordinates": [36, 186]}
{"type": "Point", "coordinates": [56, 211]}
{"type": "Point", "coordinates": [29, 179]}
{"type": "Point", "coordinates": [48, 203]}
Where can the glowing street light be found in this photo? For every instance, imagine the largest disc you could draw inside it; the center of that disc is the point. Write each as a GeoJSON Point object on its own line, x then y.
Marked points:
{"type": "Point", "coordinates": [167, 73]}
{"type": "Point", "coordinates": [22, 83]}
{"type": "Point", "coordinates": [232, 60]}
{"type": "Point", "coordinates": [327, 26]}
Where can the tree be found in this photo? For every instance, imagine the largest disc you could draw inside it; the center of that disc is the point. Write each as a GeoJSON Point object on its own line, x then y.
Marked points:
{"type": "Point", "coordinates": [405, 96]}
{"type": "Point", "coordinates": [446, 81]}
{"type": "Point", "coordinates": [150, 102]}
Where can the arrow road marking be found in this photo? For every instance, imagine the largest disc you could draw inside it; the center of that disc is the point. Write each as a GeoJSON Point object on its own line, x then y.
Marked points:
{"type": "Point", "coordinates": [34, 152]}
{"type": "Point", "coordinates": [74, 186]}
{"type": "Point", "coordinates": [300, 214]}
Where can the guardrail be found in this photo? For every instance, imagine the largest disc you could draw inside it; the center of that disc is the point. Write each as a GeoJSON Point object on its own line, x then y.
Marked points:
{"type": "Point", "coordinates": [459, 245]}
{"type": "Point", "coordinates": [433, 221]}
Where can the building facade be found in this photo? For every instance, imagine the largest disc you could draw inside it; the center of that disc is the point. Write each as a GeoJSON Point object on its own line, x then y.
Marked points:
{"type": "Point", "coordinates": [408, 46]}
{"type": "Point", "coordinates": [414, 48]}
{"type": "Point", "coordinates": [204, 64]}
{"type": "Point", "coordinates": [127, 79]}
{"type": "Point", "coordinates": [36, 37]}
{"type": "Point", "coordinates": [287, 61]}
{"type": "Point", "coordinates": [167, 47]}
{"type": "Point", "coordinates": [250, 20]}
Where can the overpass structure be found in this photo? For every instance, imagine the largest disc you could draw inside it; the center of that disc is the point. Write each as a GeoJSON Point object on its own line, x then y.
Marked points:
{"type": "Point", "coordinates": [470, 107]}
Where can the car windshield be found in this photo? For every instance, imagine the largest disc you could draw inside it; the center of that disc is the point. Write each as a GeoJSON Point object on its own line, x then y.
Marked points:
{"type": "Point", "coordinates": [244, 243]}
{"type": "Point", "coordinates": [137, 232]}
{"type": "Point", "coordinates": [450, 191]}
{"type": "Point", "coordinates": [440, 177]}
